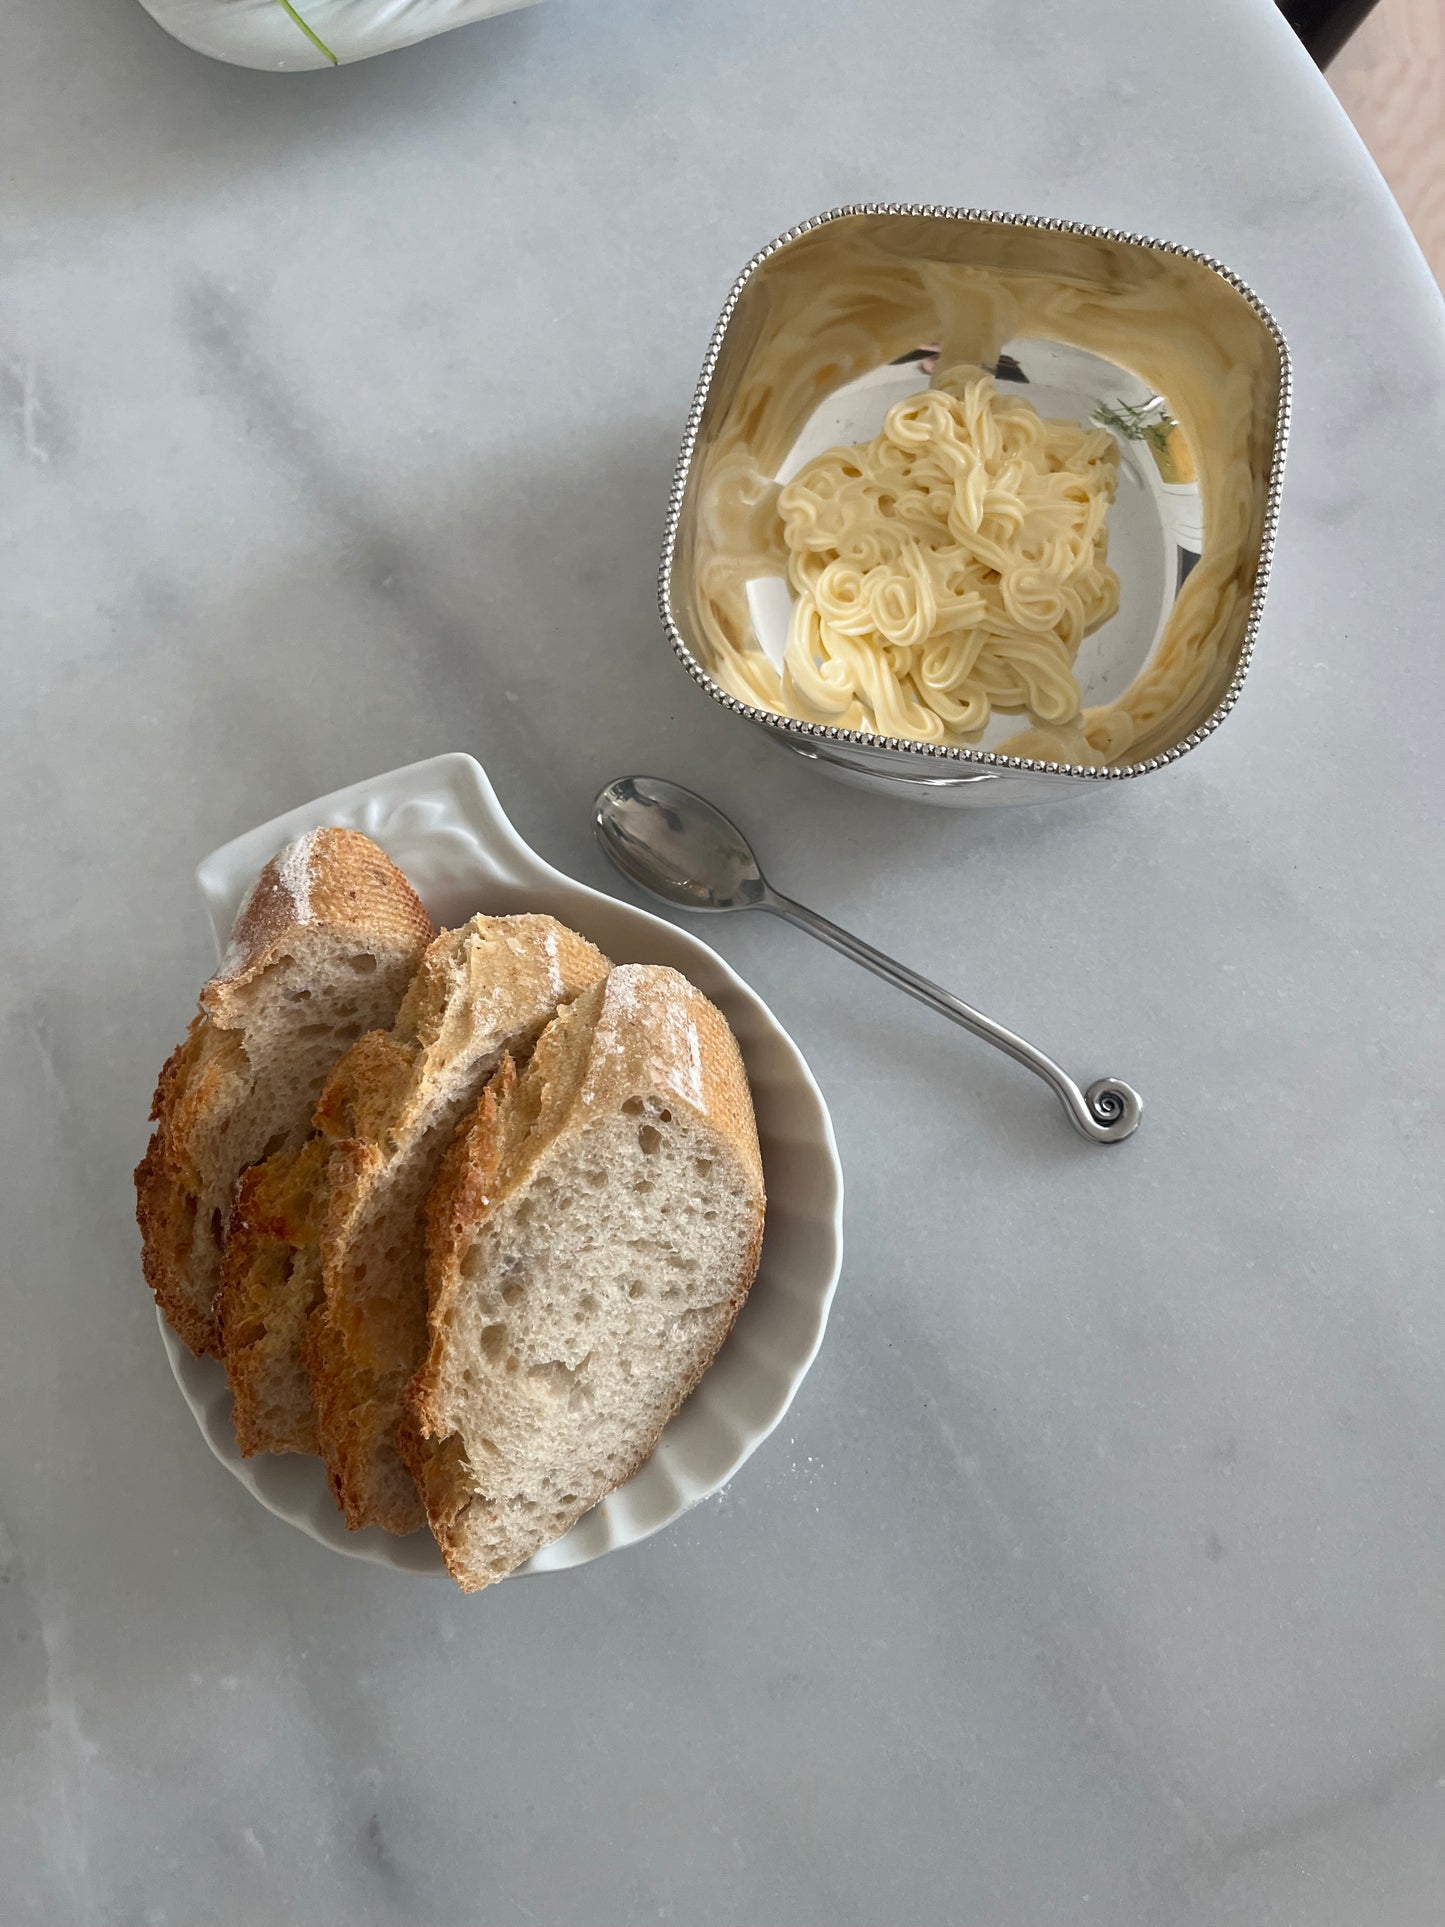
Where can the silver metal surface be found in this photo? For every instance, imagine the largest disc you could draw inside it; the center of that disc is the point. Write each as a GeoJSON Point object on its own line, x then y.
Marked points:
{"type": "Point", "coordinates": [678, 847]}
{"type": "Point", "coordinates": [958, 773]}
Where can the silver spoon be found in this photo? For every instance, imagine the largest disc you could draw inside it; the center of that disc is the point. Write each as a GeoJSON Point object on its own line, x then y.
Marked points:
{"type": "Point", "coordinates": [678, 847]}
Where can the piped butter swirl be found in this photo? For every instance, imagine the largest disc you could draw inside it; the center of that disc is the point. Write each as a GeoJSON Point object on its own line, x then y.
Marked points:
{"type": "Point", "coordinates": [948, 568]}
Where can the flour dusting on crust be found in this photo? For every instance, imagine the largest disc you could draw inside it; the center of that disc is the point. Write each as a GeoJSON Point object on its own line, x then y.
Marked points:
{"type": "Point", "coordinates": [288, 871]}
{"type": "Point", "coordinates": [293, 873]}
{"type": "Point", "coordinates": [677, 1062]}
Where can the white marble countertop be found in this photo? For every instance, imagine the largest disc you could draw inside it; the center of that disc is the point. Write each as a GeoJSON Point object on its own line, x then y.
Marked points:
{"type": "Point", "coordinates": [1098, 1574]}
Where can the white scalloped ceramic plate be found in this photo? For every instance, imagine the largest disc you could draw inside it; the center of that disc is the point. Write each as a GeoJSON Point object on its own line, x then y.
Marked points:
{"type": "Point", "coordinates": [442, 824]}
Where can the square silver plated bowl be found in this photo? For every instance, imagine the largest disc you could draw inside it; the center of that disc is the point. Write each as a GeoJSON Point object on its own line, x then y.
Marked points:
{"type": "Point", "coordinates": [831, 324]}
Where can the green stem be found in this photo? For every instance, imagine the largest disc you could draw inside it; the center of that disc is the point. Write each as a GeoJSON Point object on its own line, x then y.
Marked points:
{"type": "Point", "coordinates": [1136, 424]}
{"type": "Point", "coordinates": [314, 38]}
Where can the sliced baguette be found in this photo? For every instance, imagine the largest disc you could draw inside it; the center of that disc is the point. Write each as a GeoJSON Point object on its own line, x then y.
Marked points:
{"type": "Point", "coordinates": [323, 949]}
{"type": "Point", "coordinates": [592, 1237]}
{"type": "Point", "coordinates": [391, 1109]}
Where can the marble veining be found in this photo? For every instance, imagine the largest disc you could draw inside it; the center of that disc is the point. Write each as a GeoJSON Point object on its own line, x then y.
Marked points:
{"type": "Point", "coordinates": [1096, 1574]}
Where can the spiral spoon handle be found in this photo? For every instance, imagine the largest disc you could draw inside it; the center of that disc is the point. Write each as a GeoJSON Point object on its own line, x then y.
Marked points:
{"type": "Point", "coordinates": [1106, 1112]}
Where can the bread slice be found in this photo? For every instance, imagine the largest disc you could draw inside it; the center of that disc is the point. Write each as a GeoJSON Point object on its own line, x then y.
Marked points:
{"type": "Point", "coordinates": [592, 1237]}
{"type": "Point", "coordinates": [391, 1109]}
{"type": "Point", "coordinates": [323, 949]}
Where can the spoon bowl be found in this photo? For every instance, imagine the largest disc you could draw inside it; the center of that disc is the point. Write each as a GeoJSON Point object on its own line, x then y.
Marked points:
{"type": "Point", "coordinates": [677, 847]}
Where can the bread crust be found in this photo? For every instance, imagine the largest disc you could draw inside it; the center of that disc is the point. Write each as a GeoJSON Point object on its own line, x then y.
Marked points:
{"type": "Point", "coordinates": [333, 885]}
{"type": "Point", "coordinates": [270, 1284]}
